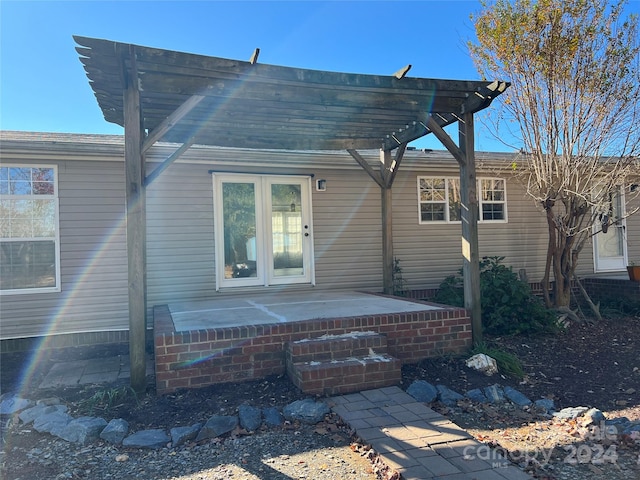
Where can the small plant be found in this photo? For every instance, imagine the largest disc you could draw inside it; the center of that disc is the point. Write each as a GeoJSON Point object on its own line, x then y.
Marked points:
{"type": "Point", "coordinates": [508, 364]}
{"type": "Point", "coordinates": [109, 398]}
{"type": "Point", "coordinates": [399, 285]}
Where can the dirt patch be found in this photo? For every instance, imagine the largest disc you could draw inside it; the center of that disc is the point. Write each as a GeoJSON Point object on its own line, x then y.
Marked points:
{"type": "Point", "coordinates": [588, 365]}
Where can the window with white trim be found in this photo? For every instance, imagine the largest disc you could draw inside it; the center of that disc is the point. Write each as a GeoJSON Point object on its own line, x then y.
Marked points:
{"type": "Point", "coordinates": [439, 200]}
{"type": "Point", "coordinates": [493, 199]}
{"type": "Point", "coordinates": [29, 245]}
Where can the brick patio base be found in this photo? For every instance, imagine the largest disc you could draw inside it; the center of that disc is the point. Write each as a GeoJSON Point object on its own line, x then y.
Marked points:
{"type": "Point", "coordinates": [205, 357]}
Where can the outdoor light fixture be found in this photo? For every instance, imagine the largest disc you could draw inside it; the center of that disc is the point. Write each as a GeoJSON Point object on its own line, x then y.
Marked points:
{"type": "Point", "coordinates": [321, 185]}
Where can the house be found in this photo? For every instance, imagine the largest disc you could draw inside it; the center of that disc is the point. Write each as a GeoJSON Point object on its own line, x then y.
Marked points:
{"type": "Point", "coordinates": [78, 293]}
{"type": "Point", "coordinates": [87, 257]}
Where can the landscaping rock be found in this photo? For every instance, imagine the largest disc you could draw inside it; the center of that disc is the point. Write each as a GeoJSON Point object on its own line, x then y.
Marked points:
{"type": "Point", "coordinates": [115, 431]}
{"type": "Point", "coordinates": [494, 393]}
{"type": "Point", "coordinates": [483, 363]}
{"type": "Point", "coordinates": [216, 426]}
{"type": "Point", "coordinates": [12, 403]}
{"type": "Point", "coordinates": [448, 396]}
{"type": "Point", "coordinates": [593, 415]}
{"type": "Point", "coordinates": [50, 421]}
{"type": "Point", "coordinates": [272, 417]}
{"type": "Point", "coordinates": [516, 397]}
{"type": "Point", "coordinates": [423, 391]}
{"type": "Point", "coordinates": [48, 401]}
{"type": "Point", "coordinates": [307, 411]}
{"type": "Point", "coordinates": [181, 435]}
{"type": "Point", "coordinates": [545, 404]}
{"type": "Point", "coordinates": [30, 414]}
{"type": "Point", "coordinates": [631, 428]}
{"type": "Point", "coordinates": [250, 417]}
{"type": "Point", "coordinates": [570, 412]}
{"type": "Point", "coordinates": [619, 424]}
{"type": "Point", "coordinates": [81, 430]}
{"type": "Point", "coordinates": [476, 395]}
{"type": "Point", "coordinates": [154, 438]}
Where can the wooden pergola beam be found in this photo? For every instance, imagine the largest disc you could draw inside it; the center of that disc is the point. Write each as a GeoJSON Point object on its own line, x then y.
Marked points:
{"type": "Point", "coordinates": [367, 168]}
{"type": "Point", "coordinates": [389, 167]}
{"type": "Point", "coordinates": [169, 122]}
{"type": "Point", "coordinates": [168, 161]}
{"type": "Point", "coordinates": [404, 135]}
{"type": "Point", "coordinates": [446, 140]}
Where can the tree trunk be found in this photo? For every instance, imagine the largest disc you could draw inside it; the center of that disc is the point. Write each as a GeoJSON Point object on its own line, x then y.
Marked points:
{"type": "Point", "coordinates": [551, 248]}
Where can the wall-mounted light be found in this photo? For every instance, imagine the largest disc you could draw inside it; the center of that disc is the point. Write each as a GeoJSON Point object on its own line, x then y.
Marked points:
{"type": "Point", "coordinates": [321, 185]}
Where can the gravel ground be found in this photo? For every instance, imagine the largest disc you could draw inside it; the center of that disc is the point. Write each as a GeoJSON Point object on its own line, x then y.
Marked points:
{"type": "Point", "coordinates": [323, 451]}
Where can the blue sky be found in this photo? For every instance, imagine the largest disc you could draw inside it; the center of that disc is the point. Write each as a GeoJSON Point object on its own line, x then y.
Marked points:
{"type": "Point", "coordinates": [43, 86]}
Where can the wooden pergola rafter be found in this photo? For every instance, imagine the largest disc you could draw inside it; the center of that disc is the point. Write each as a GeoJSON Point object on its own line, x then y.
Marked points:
{"type": "Point", "coordinates": [188, 99]}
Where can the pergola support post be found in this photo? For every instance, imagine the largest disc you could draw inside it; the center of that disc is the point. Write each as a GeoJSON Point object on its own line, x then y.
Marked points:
{"type": "Point", "coordinates": [387, 222]}
{"type": "Point", "coordinates": [136, 228]}
{"type": "Point", "coordinates": [470, 250]}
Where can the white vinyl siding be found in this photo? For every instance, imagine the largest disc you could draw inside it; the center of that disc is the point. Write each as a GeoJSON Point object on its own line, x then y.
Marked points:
{"type": "Point", "coordinates": [93, 292]}
{"type": "Point", "coordinates": [431, 251]}
{"type": "Point", "coordinates": [180, 236]}
{"type": "Point", "coordinates": [346, 229]}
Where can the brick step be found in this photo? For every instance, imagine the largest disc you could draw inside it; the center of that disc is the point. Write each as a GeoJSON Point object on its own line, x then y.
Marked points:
{"type": "Point", "coordinates": [336, 347]}
{"type": "Point", "coordinates": [346, 375]}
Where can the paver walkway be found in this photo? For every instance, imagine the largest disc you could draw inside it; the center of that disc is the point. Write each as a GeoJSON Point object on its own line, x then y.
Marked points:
{"type": "Point", "coordinates": [416, 441]}
{"type": "Point", "coordinates": [409, 437]}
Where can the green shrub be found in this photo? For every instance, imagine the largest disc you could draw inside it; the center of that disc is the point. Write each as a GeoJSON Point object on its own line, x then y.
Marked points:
{"type": "Point", "coordinates": [508, 306]}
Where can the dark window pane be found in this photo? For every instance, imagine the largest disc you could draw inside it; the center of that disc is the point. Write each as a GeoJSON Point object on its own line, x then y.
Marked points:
{"type": "Point", "coordinates": [27, 265]}
{"type": "Point", "coordinates": [493, 211]}
{"type": "Point", "coordinates": [432, 212]}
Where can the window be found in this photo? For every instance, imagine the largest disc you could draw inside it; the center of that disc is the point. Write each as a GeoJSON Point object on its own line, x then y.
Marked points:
{"type": "Point", "coordinates": [29, 251]}
{"type": "Point", "coordinates": [263, 230]}
{"type": "Point", "coordinates": [439, 199]}
{"type": "Point", "coordinates": [493, 199]}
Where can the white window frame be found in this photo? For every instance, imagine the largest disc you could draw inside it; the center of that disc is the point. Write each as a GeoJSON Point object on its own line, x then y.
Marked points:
{"type": "Point", "coordinates": [482, 202]}
{"type": "Point", "coordinates": [446, 202]}
{"type": "Point", "coordinates": [264, 243]}
{"type": "Point", "coordinates": [56, 223]}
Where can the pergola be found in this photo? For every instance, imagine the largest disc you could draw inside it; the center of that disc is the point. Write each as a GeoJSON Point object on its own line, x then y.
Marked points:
{"type": "Point", "coordinates": [187, 99]}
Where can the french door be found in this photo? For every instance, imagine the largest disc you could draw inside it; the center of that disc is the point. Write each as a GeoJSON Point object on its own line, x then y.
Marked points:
{"type": "Point", "coordinates": [263, 230]}
{"type": "Point", "coordinates": [610, 246]}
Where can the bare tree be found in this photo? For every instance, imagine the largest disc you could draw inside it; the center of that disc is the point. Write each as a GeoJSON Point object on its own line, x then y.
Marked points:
{"type": "Point", "coordinates": [574, 67]}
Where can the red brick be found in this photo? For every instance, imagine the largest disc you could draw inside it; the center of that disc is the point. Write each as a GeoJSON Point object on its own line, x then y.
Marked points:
{"type": "Point", "coordinates": [177, 383]}
{"type": "Point", "coordinates": [177, 348]}
{"type": "Point", "coordinates": [167, 358]}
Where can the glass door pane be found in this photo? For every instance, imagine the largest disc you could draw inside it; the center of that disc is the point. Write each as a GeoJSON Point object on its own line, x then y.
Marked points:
{"type": "Point", "coordinates": [287, 230]}
{"type": "Point", "coordinates": [610, 243]}
{"type": "Point", "coordinates": [239, 230]}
